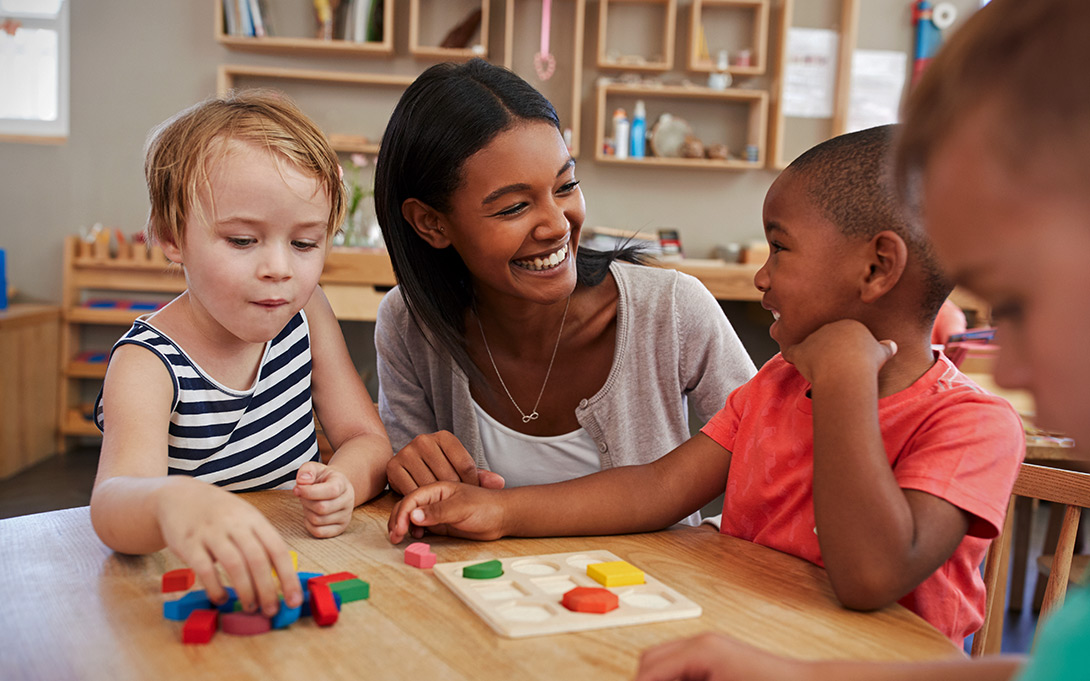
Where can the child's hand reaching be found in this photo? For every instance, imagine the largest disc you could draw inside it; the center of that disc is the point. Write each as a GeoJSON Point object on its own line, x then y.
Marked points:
{"type": "Point", "coordinates": [452, 508]}
{"type": "Point", "coordinates": [204, 525]}
{"type": "Point", "coordinates": [327, 496]}
{"type": "Point", "coordinates": [714, 657]}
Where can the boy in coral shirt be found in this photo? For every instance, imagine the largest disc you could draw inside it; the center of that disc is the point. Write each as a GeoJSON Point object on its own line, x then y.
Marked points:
{"type": "Point", "coordinates": [857, 448]}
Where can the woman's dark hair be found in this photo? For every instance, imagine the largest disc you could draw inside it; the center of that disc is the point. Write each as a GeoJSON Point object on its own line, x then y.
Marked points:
{"type": "Point", "coordinates": [449, 113]}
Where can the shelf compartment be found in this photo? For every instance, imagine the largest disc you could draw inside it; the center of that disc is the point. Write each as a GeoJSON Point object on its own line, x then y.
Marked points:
{"type": "Point", "coordinates": [721, 21]}
{"type": "Point", "coordinates": [573, 120]}
{"type": "Point", "coordinates": [749, 108]}
{"type": "Point", "coordinates": [450, 10]}
{"type": "Point", "coordinates": [652, 63]}
{"type": "Point", "coordinates": [310, 47]}
{"type": "Point", "coordinates": [229, 75]}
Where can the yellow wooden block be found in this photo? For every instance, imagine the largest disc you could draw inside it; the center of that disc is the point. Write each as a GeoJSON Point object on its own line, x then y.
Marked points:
{"type": "Point", "coordinates": [294, 562]}
{"type": "Point", "coordinates": [615, 573]}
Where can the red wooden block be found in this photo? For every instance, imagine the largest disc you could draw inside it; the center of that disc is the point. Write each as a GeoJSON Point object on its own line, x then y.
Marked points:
{"type": "Point", "coordinates": [329, 579]}
{"type": "Point", "coordinates": [200, 626]}
{"type": "Point", "coordinates": [244, 623]}
{"type": "Point", "coordinates": [590, 599]}
{"type": "Point", "coordinates": [322, 606]}
{"type": "Point", "coordinates": [178, 580]}
{"type": "Point", "coordinates": [419, 554]}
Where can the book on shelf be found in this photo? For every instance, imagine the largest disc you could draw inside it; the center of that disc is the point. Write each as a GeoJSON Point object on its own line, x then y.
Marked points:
{"type": "Point", "coordinates": [257, 15]}
{"type": "Point", "coordinates": [374, 21]}
{"type": "Point", "coordinates": [246, 23]}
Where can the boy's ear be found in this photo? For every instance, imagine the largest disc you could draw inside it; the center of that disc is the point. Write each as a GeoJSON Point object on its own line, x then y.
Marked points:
{"type": "Point", "coordinates": [888, 255]}
{"type": "Point", "coordinates": [170, 250]}
{"type": "Point", "coordinates": [426, 221]}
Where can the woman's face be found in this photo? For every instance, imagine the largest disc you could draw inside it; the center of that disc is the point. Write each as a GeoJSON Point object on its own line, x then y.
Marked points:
{"type": "Point", "coordinates": [516, 216]}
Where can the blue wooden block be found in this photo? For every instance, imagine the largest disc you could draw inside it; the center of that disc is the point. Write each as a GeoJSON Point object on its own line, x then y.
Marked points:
{"type": "Point", "coordinates": [229, 604]}
{"type": "Point", "coordinates": [180, 609]}
{"type": "Point", "coordinates": [285, 616]}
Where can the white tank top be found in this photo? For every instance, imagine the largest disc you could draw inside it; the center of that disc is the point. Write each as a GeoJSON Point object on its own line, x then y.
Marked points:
{"type": "Point", "coordinates": [532, 460]}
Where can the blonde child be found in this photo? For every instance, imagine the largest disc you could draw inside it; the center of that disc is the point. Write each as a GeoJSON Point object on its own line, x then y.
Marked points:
{"type": "Point", "coordinates": [216, 391]}
{"type": "Point", "coordinates": [996, 147]}
{"type": "Point", "coordinates": [857, 448]}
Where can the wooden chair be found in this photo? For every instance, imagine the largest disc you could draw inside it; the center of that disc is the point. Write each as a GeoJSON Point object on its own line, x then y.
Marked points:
{"type": "Point", "coordinates": [1071, 489]}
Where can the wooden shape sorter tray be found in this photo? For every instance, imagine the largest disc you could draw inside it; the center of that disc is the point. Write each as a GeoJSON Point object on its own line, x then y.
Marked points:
{"type": "Point", "coordinates": [525, 600]}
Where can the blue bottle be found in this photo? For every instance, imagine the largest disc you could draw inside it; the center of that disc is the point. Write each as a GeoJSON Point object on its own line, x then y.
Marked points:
{"type": "Point", "coordinates": [3, 282]}
{"type": "Point", "coordinates": [639, 130]}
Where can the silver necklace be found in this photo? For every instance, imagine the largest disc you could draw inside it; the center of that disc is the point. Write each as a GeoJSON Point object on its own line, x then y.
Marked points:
{"type": "Point", "coordinates": [533, 415]}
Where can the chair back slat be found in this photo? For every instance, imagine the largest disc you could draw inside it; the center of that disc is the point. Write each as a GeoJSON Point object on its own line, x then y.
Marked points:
{"type": "Point", "coordinates": [1068, 488]}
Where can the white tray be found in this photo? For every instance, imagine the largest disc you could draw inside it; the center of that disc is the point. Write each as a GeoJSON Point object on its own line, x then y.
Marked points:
{"type": "Point", "coordinates": [525, 600]}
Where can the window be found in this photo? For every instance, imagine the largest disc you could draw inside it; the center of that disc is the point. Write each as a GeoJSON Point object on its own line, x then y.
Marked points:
{"type": "Point", "coordinates": [34, 70]}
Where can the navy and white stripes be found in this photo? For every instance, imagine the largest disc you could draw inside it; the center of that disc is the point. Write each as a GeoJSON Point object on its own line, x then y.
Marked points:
{"type": "Point", "coordinates": [242, 441]}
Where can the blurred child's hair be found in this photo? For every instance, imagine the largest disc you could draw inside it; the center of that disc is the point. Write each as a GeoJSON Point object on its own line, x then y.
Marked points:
{"type": "Point", "coordinates": [179, 152]}
{"type": "Point", "coordinates": [1023, 60]}
{"type": "Point", "coordinates": [850, 178]}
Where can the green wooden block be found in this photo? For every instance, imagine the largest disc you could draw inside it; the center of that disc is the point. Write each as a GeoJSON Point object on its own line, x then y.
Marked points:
{"type": "Point", "coordinates": [351, 590]}
{"type": "Point", "coordinates": [486, 570]}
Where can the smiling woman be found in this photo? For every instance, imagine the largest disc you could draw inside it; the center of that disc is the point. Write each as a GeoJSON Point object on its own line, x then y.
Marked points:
{"type": "Point", "coordinates": [509, 354]}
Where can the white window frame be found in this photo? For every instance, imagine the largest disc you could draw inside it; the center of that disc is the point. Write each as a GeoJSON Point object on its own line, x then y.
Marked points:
{"type": "Point", "coordinates": [44, 132]}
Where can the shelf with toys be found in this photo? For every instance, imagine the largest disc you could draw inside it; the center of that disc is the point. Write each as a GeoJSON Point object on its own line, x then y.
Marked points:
{"type": "Point", "coordinates": [730, 132]}
{"type": "Point", "coordinates": [104, 285]}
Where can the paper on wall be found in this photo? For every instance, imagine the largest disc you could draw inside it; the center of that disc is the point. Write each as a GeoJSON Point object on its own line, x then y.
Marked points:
{"type": "Point", "coordinates": [878, 79]}
{"type": "Point", "coordinates": [810, 75]}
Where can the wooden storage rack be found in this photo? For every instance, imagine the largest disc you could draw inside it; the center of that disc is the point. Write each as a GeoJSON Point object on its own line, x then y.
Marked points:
{"type": "Point", "coordinates": [89, 269]}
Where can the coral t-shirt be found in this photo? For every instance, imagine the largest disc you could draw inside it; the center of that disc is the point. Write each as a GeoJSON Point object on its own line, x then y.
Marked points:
{"type": "Point", "coordinates": [944, 435]}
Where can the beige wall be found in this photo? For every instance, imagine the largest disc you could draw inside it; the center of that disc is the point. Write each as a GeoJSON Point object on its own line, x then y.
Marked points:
{"type": "Point", "coordinates": [135, 63]}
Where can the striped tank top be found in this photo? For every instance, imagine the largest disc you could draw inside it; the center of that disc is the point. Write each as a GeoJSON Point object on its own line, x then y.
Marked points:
{"type": "Point", "coordinates": [239, 440]}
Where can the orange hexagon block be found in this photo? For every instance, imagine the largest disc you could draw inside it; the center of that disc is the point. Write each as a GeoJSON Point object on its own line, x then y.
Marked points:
{"type": "Point", "coordinates": [590, 599]}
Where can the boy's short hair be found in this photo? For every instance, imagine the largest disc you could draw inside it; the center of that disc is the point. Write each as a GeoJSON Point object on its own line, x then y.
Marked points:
{"type": "Point", "coordinates": [1024, 59]}
{"type": "Point", "coordinates": [850, 179]}
{"type": "Point", "coordinates": [178, 152]}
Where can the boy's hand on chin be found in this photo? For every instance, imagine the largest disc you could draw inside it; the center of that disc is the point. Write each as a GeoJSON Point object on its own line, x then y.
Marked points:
{"type": "Point", "coordinates": [838, 348]}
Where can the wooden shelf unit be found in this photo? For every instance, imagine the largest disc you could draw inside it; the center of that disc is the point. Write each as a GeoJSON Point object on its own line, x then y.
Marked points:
{"type": "Point", "coordinates": [575, 117]}
{"type": "Point", "coordinates": [446, 53]}
{"type": "Point", "coordinates": [755, 100]}
{"type": "Point", "coordinates": [849, 28]}
{"type": "Point", "coordinates": [90, 271]}
{"type": "Point", "coordinates": [758, 37]}
{"type": "Point", "coordinates": [311, 47]}
{"type": "Point", "coordinates": [348, 143]}
{"type": "Point", "coordinates": [669, 24]}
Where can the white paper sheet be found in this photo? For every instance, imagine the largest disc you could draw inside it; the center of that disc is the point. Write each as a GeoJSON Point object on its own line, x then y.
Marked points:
{"type": "Point", "coordinates": [810, 74]}
{"type": "Point", "coordinates": [878, 79]}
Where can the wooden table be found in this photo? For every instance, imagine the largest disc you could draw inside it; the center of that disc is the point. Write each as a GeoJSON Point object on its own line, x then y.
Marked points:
{"type": "Point", "coordinates": [73, 609]}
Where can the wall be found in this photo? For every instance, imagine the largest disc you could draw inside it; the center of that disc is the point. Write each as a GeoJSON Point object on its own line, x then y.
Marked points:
{"type": "Point", "coordinates": [134, 64]}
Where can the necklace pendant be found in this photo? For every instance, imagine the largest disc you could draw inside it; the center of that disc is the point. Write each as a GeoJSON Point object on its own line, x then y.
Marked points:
{"type": "Point", "coordinates": [526, 418]}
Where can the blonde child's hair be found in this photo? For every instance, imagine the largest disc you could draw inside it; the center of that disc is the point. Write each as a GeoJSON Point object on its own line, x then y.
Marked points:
{"type": "Point", "coordinates": [179, 151]}
{"type": "Point", "coordinates": [1023, 58]}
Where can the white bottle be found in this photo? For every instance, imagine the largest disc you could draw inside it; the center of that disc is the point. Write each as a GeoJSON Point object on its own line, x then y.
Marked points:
{"type": "Point", "coordinates": [721, 79]}
{"type": "Point", "coordinates": [620, 134]}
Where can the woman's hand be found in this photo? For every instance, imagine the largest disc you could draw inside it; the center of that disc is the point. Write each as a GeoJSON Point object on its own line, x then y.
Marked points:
{"type": "Point", "coordinates": [448, 508]}
{"type": "Point", "coordinates": [204, 525]}
{"type": "Point", "coordinates": [327, 496]}
{"type": "Point", "coordinates": [436, 457]}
